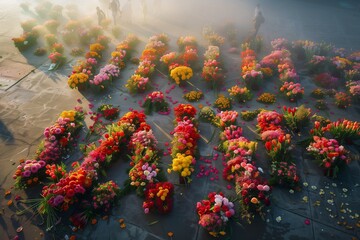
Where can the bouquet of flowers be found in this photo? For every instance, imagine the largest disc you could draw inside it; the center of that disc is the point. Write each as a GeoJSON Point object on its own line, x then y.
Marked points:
{"type": "Point", "coordinates": [28, 173]}
{"type": "Point", "coordinates": [145, 68]}
{"type": "Point", "coordinates": [269, 120]}
{"type": "Point", "coordinates": [318, 64]}
{"type": "Point", "coordinates": [155, 101]}
{"type": "Point", "coordinates": [104, 196]}
{"type": "Point", "coordinates": [183, 164]}
{"type": "Point", "coordinates": [342, 100]}
{"type": "Point", "coordinates": [181, 73]}
{"type": "Point", "coordinates": [207, 114]}
{"type": "Point", "coordinates": [55, 172]}
{"type": "Point", "coordinates": [25, 41]}
{"type": "Point", "coordinates": [280, 43]}
{"type": "Point", "coordinates": [78, 79]}
{"type": "Point", "coordinates": [212, 37]}
{"type": "Point", "coordinates": [240, 95]}
{"type": "Point", "coordinates": [343, 130]}
{"type": "Point", "coordinates": [284, 173]}
{"type": "Point", "coordinates": [193, 96]}
{"type": "Point", "coordinates": [292, 91]}
{"type": "Point", "coordinates": [170, 58]}
{"type": "Point", "coordinates": [57, 60]}
{"type": "Point", "coordinates": [159, 196]}
{"type": "Point", "coordinates": [187, 41]}
{"type": "Point", "coordinates": [278, 148]}
{"type": "Point", "coordinates": [106, 75]}
{"type": "Point", "coordinates": [297, 117]}
{"type": "Point", "coordinates": [325, 80]}
{"type": "Point", "coordinates": [253, 192]}
{"type": "Point", "coordinates": [329, 154]}
{"type": "Point", "coordinates": [184, 110]}
{"type": "Point", "coordinates": [142, 174]}
{"type": "Point", "coordinates": [212, 71]}
{"type": "Point", "coordinates": [226, 118]}
{"type": "Point", "coordinates": [214, 213]}
{"type": "Point", "coordinates": [108, 111]}
{"type": "Point", "coordinates": [137, 84]}
{"type": "Point", "coordinates": [266, 98]}
{"type": "Point", "coordinates": [185, 138]}
{"type": "Point", "coordinates": [222, 103]}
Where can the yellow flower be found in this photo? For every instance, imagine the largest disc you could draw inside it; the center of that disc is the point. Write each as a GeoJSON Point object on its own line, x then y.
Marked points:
{"type": "Point", "coordinates": [181, 73]}
{"type": "Point", "coordinates": [68, 114]}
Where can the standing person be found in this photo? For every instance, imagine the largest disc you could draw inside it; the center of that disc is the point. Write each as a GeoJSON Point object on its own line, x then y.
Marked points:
{"type": "Point", "coordinates": [100, 14]}
{"type": "Point", "coordinates": [115, 9]}
{"type": "Point", "coordinates": [258, 20]}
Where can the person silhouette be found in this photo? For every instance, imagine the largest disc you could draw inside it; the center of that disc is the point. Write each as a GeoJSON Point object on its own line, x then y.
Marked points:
{"type": "Point", "coordinates": [258, 20]}
{"type": "Point", "coordinates": [115, 9]}
{"type": "Point", "coordinates": [100, 14]}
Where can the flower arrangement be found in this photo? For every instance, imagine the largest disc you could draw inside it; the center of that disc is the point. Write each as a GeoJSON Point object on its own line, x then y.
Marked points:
{"type": "Point", "coordinates": [240, 95]}
{"type": "Point", "coordinates": [269, 120]}
{"type": "Point", "coordinates": [105, 75]}
{"type": "Point", "coordinates": [280, 43]}
{"type": "Point", "coordinates": [343, 130]}
{"type": "Point", "coordinates": [57, 59]}
{"type": "Point", "coordinates": [354, 89]}
{"type": "Point", "coordinates": [215, 213]}
{"type": "Point", "coordinates": [278, 148]}
{"type": "Point", "coordinates": [105, 195]}
{"type": "Point", "coordinates": [25, 41]}
{"type": "Point", "coordinates": [57, 139]}
{"type": "Point", "coordinates": [187, 41]}
{"type": "Point", "coordinates": [212, 71]}
{"type": "Point", "coordinates": [77, 79]}
{"type": "Point", "coordinates": [184, 110]}
{"type": "Point", "coordinates": [223, 103]}
{"type": "Point", "coordinates": [207, 114]}
{"type": "Point", "coordinates": [57, 47]}
{"type": "Point", "coordinates": [325, 80]}
{"type": "Point", "coordinates": [254, 192]}
{"type": "Point", "coordinates": [143, 173]}
{"type": "Point", "coordinates": [184, 143]}
{"type": "Point", "coordinates": [183, 164]}
{"type": "Point", "coordinates": [154, 49]}
{"type": "Point", "coordinates": [284, 173]}
{"type": "Point", "coordinates": [318, 64]}
{"type": "Point", "coordinates": [329, 154]}
{"type": "Point", "coordinates": [29, 172]}
{"type": "Point", "coordinates": [251, 70]}
{"type": "Point", "coordinates": [159, 196]}
{"type": "Point", "coordinates": [55, 172]}
{"type": "Point", "coordinates": [181, 73]}
{"type": "Point", "coordinates": [212, 37]}
{"type": "Point", "coordinates": [318, 93]}
{"type": "Point", "coordinates": [297, 117]}
{"type": "Point", "coordinates": [155, 101]}
{"type": "Point", "coordinates": [108, 111]}
{"type": "Point", "coordinates": [249, 115]}
{"type": "Point", "coordinates": [342, 100]}
{"type": "Point", "coordinates": [267, 98]}
{"type": "Point", "coordinates": [137, 84]}
{"type": "Point", "coordinates": [226, 118]}
{"type": "Point", "coordinates": [193, 96]}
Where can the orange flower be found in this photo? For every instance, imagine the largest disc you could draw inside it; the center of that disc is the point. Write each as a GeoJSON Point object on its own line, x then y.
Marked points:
{"type": "Point", "coordinates": [170, 234]}
{"type": "Point", "coordinates": [93, 221]}
{"type": "Point", "coordinates": [72, 237]}
{"type": "Point", "coordinates": [254, 200]}
{"type": "Point", "coordinates": [10, 203]}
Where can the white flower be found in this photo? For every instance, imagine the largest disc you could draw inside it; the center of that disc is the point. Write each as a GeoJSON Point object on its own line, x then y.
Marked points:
{"type": "Point", "coordinates": [278, 219]}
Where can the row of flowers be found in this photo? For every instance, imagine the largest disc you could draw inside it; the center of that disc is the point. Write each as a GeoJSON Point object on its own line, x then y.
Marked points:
{"type": "Point", "coordinates": [212, 71]}
{"type": "Point", "coordinates": [184, 143]}
{"type": "Point", "coordinates": [251, 189]}
{"type": "Point", "coordinates": [278, 145]}
{"type": "Point", "coordinates": [327, 141]}
{"type": "Point", "coordinates": [180, 64]}
{"type": "Point", "coordinates": [156, 47]}
{"type": "Point", "coordinates": [110, 71]}
{"type": "Point", "coordinates": [58, 139]}
{"type": "Point", "coordinates": [251, 70]}
{"type": "Point", "coordinates": [145, 172]}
